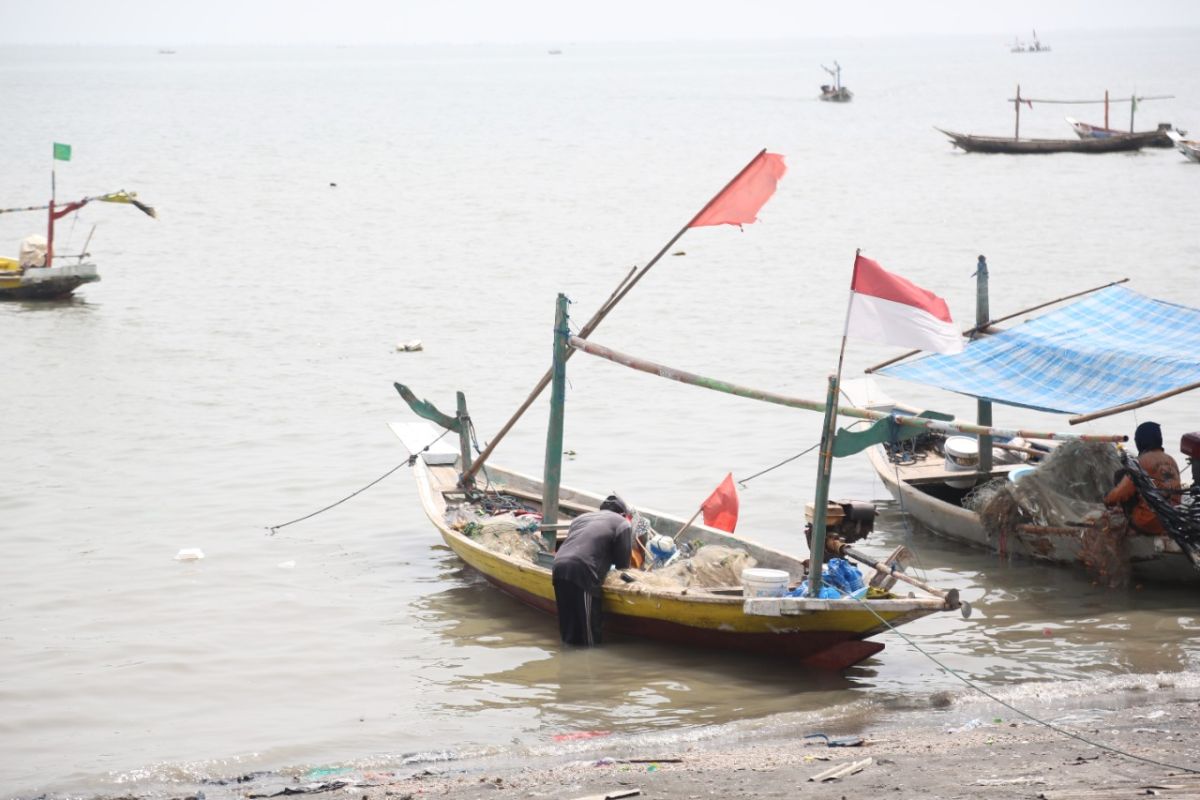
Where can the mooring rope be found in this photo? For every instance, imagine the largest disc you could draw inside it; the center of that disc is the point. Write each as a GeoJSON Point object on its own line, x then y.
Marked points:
{"type": "Point", "coordinates": [412, 459]}
{"type": "Point", "coordinates": [1011, 707]}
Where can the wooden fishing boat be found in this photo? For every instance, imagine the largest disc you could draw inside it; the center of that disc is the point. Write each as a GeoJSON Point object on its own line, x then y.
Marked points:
{"type": "Point", "coordinates": [835, 92]}
{"type": "Point", "coordinates": [1190, 148]}
{"type": "Point", "coordinates": [37, 282]}
{"type": "Point", "coordinates": [35, 274]}
{"type": "Point", "coordinates": [934, 496]}
{"type": "Point", "coordinates": [1013, 146]}
{"type": "Point", "coordinates": [1156, 138]}
{"type": "Point", "coordinates": [819, 633]}
{"type": "Point", "coordinates": [1048, 364]}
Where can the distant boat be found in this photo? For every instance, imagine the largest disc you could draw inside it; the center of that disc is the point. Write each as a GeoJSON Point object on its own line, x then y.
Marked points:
{"type": "Point", "coordinates": [1113, 143]}
{"type": "Point", "coordinates": [1155, 138]}
{"type": "Point", "coordinates": [1007, 144]}
{"type": "Point", "coordinates": [1036, 47]}
{"type": "Point", "coordinates": [166, 52]}
{"type": "Point", "coordinates": [1188, 147]}
{"type": "Point", "coordinates": [835, 93]}
{"type": "Point", "coordinates": [555, 52]}
{"type": "Point", "coordinates": [35, 274]}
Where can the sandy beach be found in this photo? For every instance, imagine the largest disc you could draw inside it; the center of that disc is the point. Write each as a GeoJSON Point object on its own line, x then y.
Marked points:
{"type": "Point", "coordinates": [1152, 734]}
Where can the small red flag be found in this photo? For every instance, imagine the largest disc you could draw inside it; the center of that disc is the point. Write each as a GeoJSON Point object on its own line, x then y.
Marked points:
{"type": "Point", "coordinates": [740, 201]}
{"type": "Point", "coordinates": [721, 507]}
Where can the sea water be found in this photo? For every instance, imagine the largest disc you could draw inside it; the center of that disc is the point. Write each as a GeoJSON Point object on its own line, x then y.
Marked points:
{"type": "Point", "coordinates": [234, 371]}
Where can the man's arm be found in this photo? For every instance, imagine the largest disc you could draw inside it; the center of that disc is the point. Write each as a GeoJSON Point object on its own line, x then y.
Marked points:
{"type": "Point", "coordinates": [624, 545]}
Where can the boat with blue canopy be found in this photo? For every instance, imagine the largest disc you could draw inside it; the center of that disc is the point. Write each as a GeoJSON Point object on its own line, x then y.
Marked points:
{"type": "Point", "coordinates": [1111, 350]}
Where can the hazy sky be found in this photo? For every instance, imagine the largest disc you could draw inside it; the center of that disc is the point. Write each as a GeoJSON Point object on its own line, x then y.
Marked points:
{"type": "Point", "coordinates": [554, 21]}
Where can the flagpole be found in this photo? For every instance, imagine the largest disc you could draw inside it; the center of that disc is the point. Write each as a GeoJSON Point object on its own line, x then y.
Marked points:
{"type": "Point", "coordinates": [468, 475]}
{"type": "Point", "coordinates": [816, 545]}
{"type": "Point", "coordinates": [50, 216]}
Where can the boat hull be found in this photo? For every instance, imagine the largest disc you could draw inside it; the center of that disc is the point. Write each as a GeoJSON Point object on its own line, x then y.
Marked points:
{"type": "Point", "coordinates": [45, 283]}
{"type": "Point", "coordinates": [1002, 144]}
{"type": "Point", "coordinates": [1156, 138]}
{"type": "Point", "coordinates": [918, 496]}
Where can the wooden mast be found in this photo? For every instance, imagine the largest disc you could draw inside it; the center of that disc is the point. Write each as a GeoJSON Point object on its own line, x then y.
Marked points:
{"type": "Point", "coordinates": [1017, 108]}
{"type": "Point", "coordinates": [552, 474]}
{"type": "Point", "coordinates": [983, 408]}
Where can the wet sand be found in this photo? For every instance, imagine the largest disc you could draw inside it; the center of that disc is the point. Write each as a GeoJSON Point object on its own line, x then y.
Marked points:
{"type": "Point", "coordinates": [914, 754]}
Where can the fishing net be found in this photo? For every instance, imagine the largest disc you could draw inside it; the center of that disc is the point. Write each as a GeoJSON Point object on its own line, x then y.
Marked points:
{"type": "Point", "coordinates": [1182, 522]}
{"type": "Point", "coordinates": [511, 534]}
{"type": "Point", "coordinates": [708, 567]}
{"type": "Point", "coordinates": [1065, 493]}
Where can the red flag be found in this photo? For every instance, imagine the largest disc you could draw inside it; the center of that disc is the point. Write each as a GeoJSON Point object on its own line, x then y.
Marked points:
{"type": "Point", "coordinates": [885, 307]}
{"type": "Point", "coordinates": [740, 201]}
{"type": "Point", "coordinates": [721, 507]}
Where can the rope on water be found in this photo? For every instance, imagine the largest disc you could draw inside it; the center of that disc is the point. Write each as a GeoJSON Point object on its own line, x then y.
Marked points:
{"type": "Point", "coordinates": [1026, 714]}
{"type": "Point", "coordinates": [412, 459]}
{"type": "Point", "coordinates": [743, 481]}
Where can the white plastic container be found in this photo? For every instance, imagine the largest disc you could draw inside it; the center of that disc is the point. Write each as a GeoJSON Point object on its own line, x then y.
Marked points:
{"type": "Point", "coordinates": [962, 455]}
{"type": "Point", "coordinates": [1017, 473]}
{"type": "Point", "coordinates": [759, 582]}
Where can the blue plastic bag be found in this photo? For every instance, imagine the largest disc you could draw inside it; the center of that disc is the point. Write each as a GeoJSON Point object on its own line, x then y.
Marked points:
{"type": "Point", "coordinates": [843, 575]}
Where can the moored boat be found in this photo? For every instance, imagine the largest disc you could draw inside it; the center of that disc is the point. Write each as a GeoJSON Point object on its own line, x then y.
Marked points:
{"type": "Point", "coordinates": [40, 273]}
{"type": "Point", "coordinates": [1156, 138]}
{"type": "Point", "coordinates": [1005, 144]}
{"type": "Point", "coordinates": [1055, 513]}
{"type": "Point", "coordinates": [1190, 148]}
{"type": "Point", "coordinates": [819, 633]}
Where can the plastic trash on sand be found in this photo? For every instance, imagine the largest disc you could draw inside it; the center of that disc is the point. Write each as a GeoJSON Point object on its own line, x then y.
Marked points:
{"type": "Point", "coordinates": [189, 554]}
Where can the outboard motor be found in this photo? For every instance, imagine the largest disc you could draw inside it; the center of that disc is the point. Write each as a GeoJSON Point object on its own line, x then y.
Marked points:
{"type": "Point", "coordinates": [1189, 445]}
{"type": "Point", "coordinates": [849, 520]}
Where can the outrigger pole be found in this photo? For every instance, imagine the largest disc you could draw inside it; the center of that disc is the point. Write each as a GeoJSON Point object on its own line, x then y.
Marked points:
{"type": "Point", "coordinates": [619, 293]}
{"type": "Point", "coordinates": [726, 387]}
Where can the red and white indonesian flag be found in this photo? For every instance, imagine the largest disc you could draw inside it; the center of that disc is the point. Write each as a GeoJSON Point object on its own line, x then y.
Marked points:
{"type": "Point", "coordinates": [887, 308]}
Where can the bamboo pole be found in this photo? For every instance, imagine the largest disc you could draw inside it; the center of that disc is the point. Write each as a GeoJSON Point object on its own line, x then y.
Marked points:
{"type": "Point", "coordinates": [552, 473]}
{"type": "Point", "coordinates": [1145, 401]}
{"type": "Point", "coordinates": [716, 385]}
{"type": "Point", "coordinates": [619, 294]}
{"type": "Point", "coordinates": [978, 328]}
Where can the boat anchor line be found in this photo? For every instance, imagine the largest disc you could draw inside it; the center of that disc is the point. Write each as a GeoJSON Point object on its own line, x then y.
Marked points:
{"type": "Point", "coordinates": [408, 462]}
{"type": "Point", "coordinates": [1050, 725]}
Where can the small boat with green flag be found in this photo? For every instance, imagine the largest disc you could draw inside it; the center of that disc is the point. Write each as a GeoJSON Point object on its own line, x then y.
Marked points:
{"type": "Point", "coordinates": [38, 272]}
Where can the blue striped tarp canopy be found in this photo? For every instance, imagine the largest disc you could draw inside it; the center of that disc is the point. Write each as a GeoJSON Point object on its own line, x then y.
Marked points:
{"type": "Point", "coordinates": [1112, 347]}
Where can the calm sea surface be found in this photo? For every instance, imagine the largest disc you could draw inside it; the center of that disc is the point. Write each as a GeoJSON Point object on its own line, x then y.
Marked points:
{"type": "Point", "coordinates": [234, 370]}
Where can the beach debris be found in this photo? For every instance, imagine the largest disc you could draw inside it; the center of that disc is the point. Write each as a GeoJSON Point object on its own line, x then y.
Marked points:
{"type": "Point", "coordinates": [615, 794]}
{"type": "Point", "coordinates": [841, 741]}
{"type": "Point", "coordinates": [189, 554]}
{"type": "Point", "coordinates": [679, 253]}
{"type": "Point", "coordinates": [410, 346]}
{"type": "Point", "coordinates": [842, 770]}
{"type": "Point", "coordinates": [314, 788]}
{"type": "Point", "coordinates": [966, 726]}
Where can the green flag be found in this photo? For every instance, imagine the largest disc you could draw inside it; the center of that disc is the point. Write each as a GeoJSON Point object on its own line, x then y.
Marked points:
{"type": "Point", "coordinates": [62, 152]}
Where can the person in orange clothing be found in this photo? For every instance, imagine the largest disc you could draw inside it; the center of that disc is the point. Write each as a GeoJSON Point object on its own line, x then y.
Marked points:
{"type": "Point", "coordinates": [1161, 468]}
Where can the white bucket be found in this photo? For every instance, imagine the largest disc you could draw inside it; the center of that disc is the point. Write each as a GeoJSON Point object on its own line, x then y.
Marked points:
{"type": "Point", "coordinates": [759, 582]}
{"type": "Point", "coordinates": [962, 455]}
